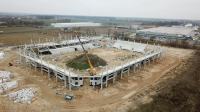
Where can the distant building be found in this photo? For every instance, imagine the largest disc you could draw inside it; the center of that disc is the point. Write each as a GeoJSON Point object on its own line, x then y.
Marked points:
{"type": "Point", "coordinates": [188, 25]}
{"type": "Point", "coordinates": [122, 27]}
{"type": "Point", "coordinates": [165, 33]}
{"type": "Point", "coordinates": [75, 25]}
{"type": "Point", "coordinates": [71, 26]}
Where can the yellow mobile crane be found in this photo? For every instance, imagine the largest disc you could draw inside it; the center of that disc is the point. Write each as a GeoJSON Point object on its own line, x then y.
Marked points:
{"type": "Point", "coordinates": [92, 69]}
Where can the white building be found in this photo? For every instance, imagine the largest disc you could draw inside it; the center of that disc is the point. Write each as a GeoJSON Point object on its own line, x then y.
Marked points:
{"type": "Point", "coordinates": [75, 25]}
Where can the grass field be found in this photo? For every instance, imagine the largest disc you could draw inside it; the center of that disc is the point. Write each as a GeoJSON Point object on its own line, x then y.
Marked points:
{"type": "Point", "coordinates": [17, 29]}
{"type": "Point", "coordinates": [21, 35]}
{"type": "Point", "coordinates": [24, 35]}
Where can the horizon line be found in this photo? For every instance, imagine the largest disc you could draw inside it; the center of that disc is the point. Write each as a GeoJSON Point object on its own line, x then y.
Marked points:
{"type": "Point", "coordinates": [50, 14]}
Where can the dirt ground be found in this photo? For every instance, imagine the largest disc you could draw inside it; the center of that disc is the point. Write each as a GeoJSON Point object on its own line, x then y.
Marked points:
{"type": "Point", "coordinates": [114, 98]}
{"type": "Point", "coordinates": [179, 93]}
{"type": "Point", "coordinates": [113, 57]}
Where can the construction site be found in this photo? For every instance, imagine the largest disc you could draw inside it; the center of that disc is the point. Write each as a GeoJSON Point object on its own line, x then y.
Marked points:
{"type": "Point", "coordinates": [99, 56]}
{"type": "Point", "coordinates": [84, 73]}
{"type": "Point", "coordinates": [120, 58]}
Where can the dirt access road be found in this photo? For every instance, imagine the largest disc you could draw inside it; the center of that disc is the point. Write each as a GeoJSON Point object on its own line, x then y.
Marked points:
{"type": "Point", "coordinates": [114, 98]}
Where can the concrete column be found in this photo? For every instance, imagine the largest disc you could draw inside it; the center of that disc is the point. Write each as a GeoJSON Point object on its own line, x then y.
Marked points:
{"type": "Point", "coordinates": [35, 66]}
{"type": "Point", "coordinates": [161, 55]}
{"type": "Point", "coordinates": [41, 66]}
{"type": "Point", "coordinates": [113, 78]}
{"type": "Point", "coordinates": [158, 58]}
{"type": "Point", "coordinates": [93, 84]}
{"type": "Point", "coordinates": [41, 69]}
{"type": "Point", "coordinates": [56, 76]}
{"type": "Point", "coordinates": [121, 73]}
{"type": "Point", "coordinates": [20, 57]}
{"type": "Point", "coordinates": [29, 63]}
{"type": "Point", "coordinates": [138, 66]}
{"type": "Point", "coordinates": [106, 81]}
{"type": "Point", "coordinates": [101, 82]}
{"type": "Point", "coordinates": [128, 71]}
{"type": "Point", "coordinates": [149, 61]}
{"type": "Point", "coordinates": [65, 81]}
{"type": "Point", "coordinates": [153, 59]}
{"type": "Point", "coordinates": [48, 73]}
{"type": "Point", "coordinates": [69, 81]}
{"type": "Point", "coordinates": [78, 80]}
{"type": "Point", "coordinates": [65, 77]}
{"type": "Point", "coordinates": [135, 68]}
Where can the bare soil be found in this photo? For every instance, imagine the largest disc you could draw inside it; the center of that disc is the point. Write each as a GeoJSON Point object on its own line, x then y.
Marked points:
{"type": "Point", "coordinates": [178, 94]}
{"type": "Point", "coordinates": [112, 57]}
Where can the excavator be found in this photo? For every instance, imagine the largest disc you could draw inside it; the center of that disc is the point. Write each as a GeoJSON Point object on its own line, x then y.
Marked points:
{"type": "Point", "coordinates": [92, 70]}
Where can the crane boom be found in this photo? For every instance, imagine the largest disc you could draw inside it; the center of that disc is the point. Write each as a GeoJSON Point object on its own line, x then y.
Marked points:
{"type": "Point", "coordinates": [92, 69]}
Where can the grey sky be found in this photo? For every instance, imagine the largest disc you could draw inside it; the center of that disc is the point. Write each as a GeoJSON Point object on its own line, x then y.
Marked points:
{"type": "Point", "coordinates": [174, 9]}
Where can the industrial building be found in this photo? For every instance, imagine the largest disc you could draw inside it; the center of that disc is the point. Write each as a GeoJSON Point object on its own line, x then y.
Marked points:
{"type": "Point", "coordinates": [162, 33]}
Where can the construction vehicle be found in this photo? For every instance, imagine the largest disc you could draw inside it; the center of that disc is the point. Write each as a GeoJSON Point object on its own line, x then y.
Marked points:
{"type": "Point", "coordinates": [92, 70]}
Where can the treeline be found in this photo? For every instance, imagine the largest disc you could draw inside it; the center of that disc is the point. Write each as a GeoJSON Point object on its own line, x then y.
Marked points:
{"type": "Point", "coordinates": [162, 23]}
{"type": "Point", "coordinates": [20, 22]}
{"type": "Point", "coordinates": [32, 21]}
{"type": "Point", "coordinates": [45, 17]}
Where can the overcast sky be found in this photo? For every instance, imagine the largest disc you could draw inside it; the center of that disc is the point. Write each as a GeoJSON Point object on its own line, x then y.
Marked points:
{"type": "Point", "coordinates": [170, 9]}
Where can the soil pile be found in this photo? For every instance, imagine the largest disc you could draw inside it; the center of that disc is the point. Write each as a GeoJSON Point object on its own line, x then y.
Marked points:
{"type": "Point", "coordinates": [81, 63]}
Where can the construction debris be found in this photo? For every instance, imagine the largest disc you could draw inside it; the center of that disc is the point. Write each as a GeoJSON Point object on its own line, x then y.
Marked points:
{"type": "Point", "coordinates": [2, 55]}
{"type": "Point", "coordinates": [5, 76]}
{"type": "Point", "coordinates": [23, 95]}
{"type": "Point", "coordinates": [7, 86]}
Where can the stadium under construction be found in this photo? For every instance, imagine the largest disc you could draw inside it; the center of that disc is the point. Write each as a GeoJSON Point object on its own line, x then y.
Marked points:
{"type": "Point", "coordinates": [122, 57]}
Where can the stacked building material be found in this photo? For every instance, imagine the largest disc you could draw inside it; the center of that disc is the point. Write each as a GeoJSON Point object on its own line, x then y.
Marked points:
{"type": "Point", "coordinates": [4, 76]}
{"type": "Point", "coordinates": [23, 96]}
{"type": "Point", "coordinates": [2, 55]}
{"type": "Point", "coordinates": [7, 86]}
